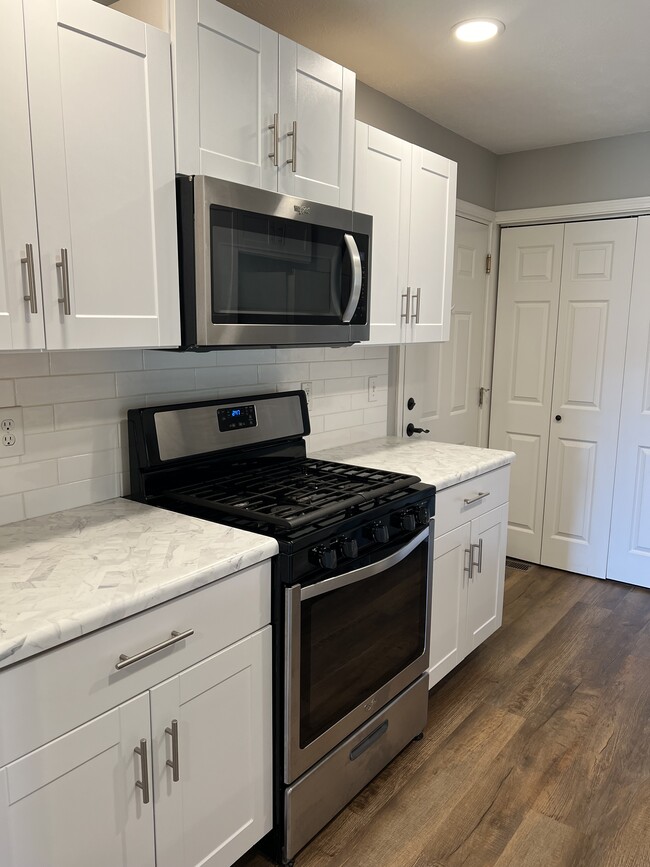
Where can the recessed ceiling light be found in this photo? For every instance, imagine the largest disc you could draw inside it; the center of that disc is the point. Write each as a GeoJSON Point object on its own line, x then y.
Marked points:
{"type": "Point", "coordinates": [478, 29]}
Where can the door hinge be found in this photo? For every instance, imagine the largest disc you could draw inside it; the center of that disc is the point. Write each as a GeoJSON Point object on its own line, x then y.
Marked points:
{"type": "Point", "coordinates": [488, 263]}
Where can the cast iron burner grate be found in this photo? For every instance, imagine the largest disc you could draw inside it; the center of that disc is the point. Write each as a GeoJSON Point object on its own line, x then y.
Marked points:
{"type": "Point", "coordinates": [289, 494]}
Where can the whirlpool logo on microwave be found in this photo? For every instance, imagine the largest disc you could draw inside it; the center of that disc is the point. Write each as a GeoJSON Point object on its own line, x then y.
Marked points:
{"type": "Point", "coordinates": [302, 209]}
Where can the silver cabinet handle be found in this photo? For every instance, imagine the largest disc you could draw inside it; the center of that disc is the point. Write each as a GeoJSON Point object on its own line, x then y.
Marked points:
{"type": "Point", "coordinates": [294, 147]}
{"type": "Point", "coordinates": [479, 562]}
{"type": "Point", "coordinates": [31, 280]}
{"type": "Point", "coordinates": [467, 558]}
{"type": "Point", "coordinates": [406, 316]}
{"type": "Point", "coordinates": [173, 762]}
{"type": "Point", "coordinates": [274, 127]}
{"type": "Point", "coordinates": [65, 280]}
{"type": "Point", "coordinates": [173, 639]}
{"type": "Point", "coordinates": [144, 769]}
{"type": "Point", "coordinates": [416, 298]}
{"type": "Point", "coordinates": [480, 496]}
{"type": "Point", "coordinates": [355, 294]}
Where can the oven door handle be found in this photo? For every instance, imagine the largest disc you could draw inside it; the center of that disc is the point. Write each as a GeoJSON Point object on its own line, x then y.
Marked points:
{"type": "Point", "coordinates": [322, 587]}
{"type": "Point", "coordinates": [355, 295]}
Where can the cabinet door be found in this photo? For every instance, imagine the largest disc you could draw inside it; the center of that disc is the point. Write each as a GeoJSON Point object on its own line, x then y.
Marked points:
{"type": "Point", "coordinates": [221, 804]}
{"type": "Point", "coordinates": [485, 591]}
{"type": "Point", "coordinates": [589, 360]}
{"type": "Point", "coordinates": [100, 100]}
{"type": "Point", "coordinates": [74, 801]}
{"type": "Point", "coordinates": [21, 323]}
{"type": "Point", "coordinates": [431, 251]}
{"type": "Point", "coordinates": [226, 94]}
{"type": "Point", "coordinates": [317, 99]}
{"type": "Point", "coordinates": [382, 188]}
{"type": "Point", "coordinates": [629, 543]}
{"type": "Point", "coordinates": [449, 601]}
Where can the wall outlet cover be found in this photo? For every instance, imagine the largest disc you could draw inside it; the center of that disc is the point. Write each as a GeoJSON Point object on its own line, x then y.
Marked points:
{"type": "Point", "coordinates": [12, 432]}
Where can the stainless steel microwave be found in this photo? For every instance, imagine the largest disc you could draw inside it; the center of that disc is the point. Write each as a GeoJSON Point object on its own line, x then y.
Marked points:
{"type": "Point", "coordinates": [262, 269]}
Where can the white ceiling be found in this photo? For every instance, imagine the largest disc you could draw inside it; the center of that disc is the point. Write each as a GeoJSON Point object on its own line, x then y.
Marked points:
{"type": "Point", "coordinates": [563, 71]}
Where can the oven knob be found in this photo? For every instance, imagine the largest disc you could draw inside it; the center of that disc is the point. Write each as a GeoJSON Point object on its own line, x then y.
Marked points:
{"type": "Point", "coordinates": [379, 533]}
{"type": "Point", "coordinates": [324, 557]}
{"type": "Point", "coordinates": [405, 520]}
{"type": "Point", "coordinates": [348, 547]}
{"type": "Point", "coordinates": [422, 516]}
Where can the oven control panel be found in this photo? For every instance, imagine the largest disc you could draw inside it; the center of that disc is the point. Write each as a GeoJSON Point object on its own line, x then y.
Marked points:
{"type": "Point", "coordinates": [236, 417]}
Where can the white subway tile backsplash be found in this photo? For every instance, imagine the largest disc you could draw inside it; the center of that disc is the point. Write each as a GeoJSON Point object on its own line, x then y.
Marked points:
{"type": "Point", "coordinates": [367, 432]}
{"type": "Point", "coordinates": [90, 466]}
{"type": "Point", "coordinates": [15, 364]}
{"type": "Point", "coordinates": [38, 419]}
{"type": "Point", "coordinates": [79, 441]}
{"type": "Point", "coordinates": [223, 377]}
{"type": "Point", "coordinates": [60, 389]}
{"type": "Point", "coordinates": [88, 413]}
{"type": "Point", "coordinates": [243, 357]}
{"type": "Point", "coordinates": [339, 420]}
{"type": "Point", "coordinates": [154, 381]}
{"type": "Point", "coordinates": [70, 496]}
{"type": "Point", "coordinates": [292, 355]}
{"type": "Point", "coordinates": [11, 509]}
{"type": "Point", "coordinates": [374, 414]}
{"type": "Point", "coordinates": [333, 403]}
{"type": "Point", "coordinates": [27, 477]}
{"type": "Point", "coordinates": [7, 392]}
{"type": "Point", "coordinates": [95, 361]}
{"type": "Point", "coordinates": [275, 373]}
{"type": "Point", "coordinates": [370, 367]}
{"type": "Point", "coordinates": [162, 359]}
{"type": "Point", "coordinates": [330, 369]}
{"type": "Point", "coordinates": [344, 353]}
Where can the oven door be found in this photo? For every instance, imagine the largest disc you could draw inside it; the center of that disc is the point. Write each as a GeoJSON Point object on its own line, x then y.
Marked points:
{"type": "Point", "coordinates": [352, 643]}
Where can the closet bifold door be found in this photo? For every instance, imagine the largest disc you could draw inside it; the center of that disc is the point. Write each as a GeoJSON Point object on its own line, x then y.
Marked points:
{"type": "Point", "coordinates": [589, 360]}
{"type": "Point", "coordinates": [629, 546]}
{"type": "Point", "coordinates": [524, 356]}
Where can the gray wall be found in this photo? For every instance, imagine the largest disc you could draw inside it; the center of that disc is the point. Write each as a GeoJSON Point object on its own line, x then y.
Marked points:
{"type": "Point", "coordinates": [477, 167]}
{"type": "Point", "coordinates": [590, 171]}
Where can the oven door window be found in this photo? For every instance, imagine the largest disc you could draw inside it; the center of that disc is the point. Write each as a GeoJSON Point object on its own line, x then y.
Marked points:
{"type": "Point", "coordinates": [269, 270]}
{"type": "Point", "coordinates": [355, 639]}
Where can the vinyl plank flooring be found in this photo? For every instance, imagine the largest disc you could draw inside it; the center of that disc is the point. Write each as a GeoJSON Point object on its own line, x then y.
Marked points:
{"type": "Point", "coordinates": [536, 751]}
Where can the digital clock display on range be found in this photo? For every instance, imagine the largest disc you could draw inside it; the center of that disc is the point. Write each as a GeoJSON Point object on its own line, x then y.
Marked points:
{"type": "Point", "coordinates": [236, 417]}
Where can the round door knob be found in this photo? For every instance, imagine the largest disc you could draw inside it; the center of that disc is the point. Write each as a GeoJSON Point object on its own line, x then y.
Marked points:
{"type": "Point", "coordinates": [558, 418]}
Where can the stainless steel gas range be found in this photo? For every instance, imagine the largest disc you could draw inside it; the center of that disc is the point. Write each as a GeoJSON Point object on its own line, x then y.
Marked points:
{"type": "Point", "coordinates": [351, 587]}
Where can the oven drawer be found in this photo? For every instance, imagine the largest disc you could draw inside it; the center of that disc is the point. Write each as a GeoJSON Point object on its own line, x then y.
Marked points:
{"type": "Point", "coordinates": [463, 502]}
{"type": "Point", "coordinates": [55, 691]}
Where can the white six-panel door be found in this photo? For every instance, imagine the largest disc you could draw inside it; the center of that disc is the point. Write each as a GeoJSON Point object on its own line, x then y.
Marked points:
{"type": "Point", "coordinates": [318, 95]}
{"type": "Point", "coordinates": [590, 355]}
{"type": "Point", "coordinates": [21, 322]}
{"type": "Point", "coordinates": [100, 95]}
{"type": "Point", "coordinates": [382, 187]}
{"type": "Point", "coordinates": [530, 269]}
{"type": "Point", "coordinates": [226, 94]}
{"type": "Point", "coordinates": [629, 546]}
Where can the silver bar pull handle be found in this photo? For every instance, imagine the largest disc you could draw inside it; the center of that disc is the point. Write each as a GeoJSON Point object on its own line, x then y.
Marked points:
{"type": "Point", "coordinates": [293, 132]}
{"type": "Point", "coordinates": [65, 281]}
{"type": "Point", "coordinates": [480, 496]}
{"type": "Point", "coordinates": [355, 294]}
{"type": "Point", "coordinates": [173, 762]}
{"type": "Point", "coordinates": [467, 559]}
{"type": "Point", "coordinates": [406, 315]}
{"type": "Point", "coordinates": [274, 126]}
{"type": "Point", "coordinates": [144, 769]}
{"type": "Point", "coordinates": [416, 298]}
{"type": "Point", "coordinates": [31, 279]}
{"type": "Point", "coordinates": [173, 639]}
{"type": "Point", "coordinates": [479, 561]}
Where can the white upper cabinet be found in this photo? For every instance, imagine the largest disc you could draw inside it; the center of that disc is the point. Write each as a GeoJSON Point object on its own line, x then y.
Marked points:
{"type": "Point", "coordinates": [258, 109]}
{"type": "Point", "coordinates": [21, 310]}
{"type": "Point", "coordinates": [102, 135]}
{"type": "Point", "coordinates": [411, 195]}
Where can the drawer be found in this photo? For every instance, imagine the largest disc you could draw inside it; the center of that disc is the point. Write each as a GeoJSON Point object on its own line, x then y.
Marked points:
{"type": "Point", "coordinates": [453, 508]}
{"type": "Point", "coordinates": [55, 691]}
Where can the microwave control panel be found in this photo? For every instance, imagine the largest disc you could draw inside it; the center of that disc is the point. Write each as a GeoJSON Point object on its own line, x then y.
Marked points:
{"type": "Point", "coordinates": [236, 417]}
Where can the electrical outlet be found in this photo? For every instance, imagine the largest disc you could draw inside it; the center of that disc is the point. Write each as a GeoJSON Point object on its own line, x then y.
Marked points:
{"type": "Point", "coordinates": [12, 432]}
{"type": "Point", "coordinates": [306, 387]}
{"type": "Point", "coordinates": [372, 389]}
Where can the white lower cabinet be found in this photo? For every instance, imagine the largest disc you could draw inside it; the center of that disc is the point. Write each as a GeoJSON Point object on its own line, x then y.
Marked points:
{"type": "Point", "coordinates": [178, 774]}
{"type": "Point", "coordinates": [468, 569]}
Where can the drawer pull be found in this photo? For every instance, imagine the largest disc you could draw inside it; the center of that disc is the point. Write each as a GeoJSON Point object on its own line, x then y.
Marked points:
{"type": "Point", "coordinates": [480, 496]}
{"type": "Point", "coordinates": [144, 769]}
{"type": "Point", "coordinates": [478, 563]}
{"type": "Point", "coordinates": [173, 639]}
{"type": "Point", "coordinates": [173, 762]}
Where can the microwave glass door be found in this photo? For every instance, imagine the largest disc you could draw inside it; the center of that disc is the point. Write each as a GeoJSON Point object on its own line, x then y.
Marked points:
{"type": "Point", "coordinates": [270, 270]}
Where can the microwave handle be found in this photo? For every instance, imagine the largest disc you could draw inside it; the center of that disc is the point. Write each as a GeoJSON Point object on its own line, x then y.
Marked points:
{"type": "Point", "coordinates": [355, 295]}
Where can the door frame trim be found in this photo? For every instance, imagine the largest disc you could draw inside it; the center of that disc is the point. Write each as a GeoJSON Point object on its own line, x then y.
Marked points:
{"type": "Point", "coordinates": [579, 211]}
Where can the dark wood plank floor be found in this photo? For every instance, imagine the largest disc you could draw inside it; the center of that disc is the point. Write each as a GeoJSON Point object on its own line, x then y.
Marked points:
{"type": "Point", "coordinates": [537, 749]}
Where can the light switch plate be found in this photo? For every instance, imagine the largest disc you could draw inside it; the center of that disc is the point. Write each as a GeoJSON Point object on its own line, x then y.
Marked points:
{"type": "Point", "coordinates": [12, 432]}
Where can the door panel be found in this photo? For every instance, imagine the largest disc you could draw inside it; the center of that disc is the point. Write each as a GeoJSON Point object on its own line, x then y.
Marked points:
{"type": "Point", "coordinates": [594, 305]}
{"type": "Point", "coordinates": [629, 551]}
{"type": "Point", "coordinates": [444, 378]}
{"type": "Point", "coordinates": [524, 357]}
{"type": "Point", "coordinates": [485, 593]}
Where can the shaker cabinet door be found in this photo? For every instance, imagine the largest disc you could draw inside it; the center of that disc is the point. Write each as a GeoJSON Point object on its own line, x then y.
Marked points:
{"type": "Point", "coordinates": [100, 99]}
{"type": "Point", "coordinates": [485, 589]}
{"type": "Point", "coordinates": [316, 136]}
{"type": "Point", "coordinates": [211, 731]}
{"type": "Point", "coordinates": [21, 309]}
{"type": "Point", "coordinates": [75, 802]}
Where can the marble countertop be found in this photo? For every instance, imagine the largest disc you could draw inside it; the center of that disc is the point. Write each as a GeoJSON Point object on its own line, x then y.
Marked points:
{"type": "Point", "coordinates": [439, 464]}
{"type": "Point", "coordinates": [67, 574]}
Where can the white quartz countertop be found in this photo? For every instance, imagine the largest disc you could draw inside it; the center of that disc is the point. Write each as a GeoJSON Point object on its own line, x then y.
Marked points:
{"type": "Point", "coordinates": [439, 464]}
{"type": "Point", "coordinates": [67, 574]}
